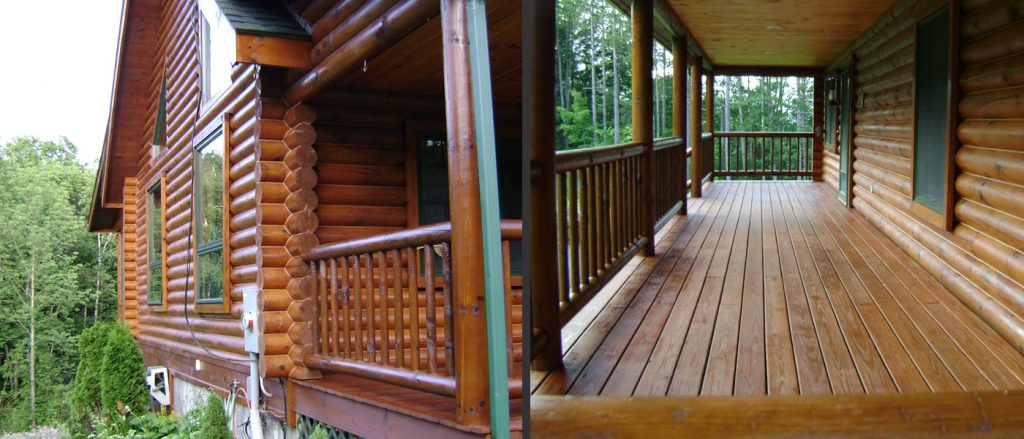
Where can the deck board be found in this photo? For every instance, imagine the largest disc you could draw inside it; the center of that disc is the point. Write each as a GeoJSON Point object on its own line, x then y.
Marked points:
{"type": "Point", "coordinates": [773, 288]}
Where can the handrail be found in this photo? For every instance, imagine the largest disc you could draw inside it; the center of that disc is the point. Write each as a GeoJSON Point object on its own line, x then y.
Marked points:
{"type": "Point", "coordinates": [762, 134]}
{"type": "Point", "coordinates": [667, 142]}
{"type": "Point", "coordinates": [423, 235]}
{"type": "Point", "coordinates": [581, 158]}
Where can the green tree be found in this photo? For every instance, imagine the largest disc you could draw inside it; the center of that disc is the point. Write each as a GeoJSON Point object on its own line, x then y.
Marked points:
{"type": "Point", "coordinates": [85, 398]}
{"type": "Point", "coordinates": [122, 381]}
{"type": "Point", "coordinates": [213, 423]}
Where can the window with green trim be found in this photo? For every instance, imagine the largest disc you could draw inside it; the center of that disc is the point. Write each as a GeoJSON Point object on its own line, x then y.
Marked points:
{"type": "Point", "coordinates": [160, 130]}
{"type": "Point", "coordinates": [154, 244]}
{"type": "Point", "coordinates": [209, 217]}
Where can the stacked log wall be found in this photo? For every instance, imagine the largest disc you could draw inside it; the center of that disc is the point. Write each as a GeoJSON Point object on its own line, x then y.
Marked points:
{"type": "Point", "coordinates": [164, 333]}
{"type": "Point", "coordinates": [982, 259]}
{"type": "Point", "coordinates": [129, 269]}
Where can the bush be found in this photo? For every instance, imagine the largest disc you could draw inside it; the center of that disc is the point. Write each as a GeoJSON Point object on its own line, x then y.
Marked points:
{"type": "Point", "coordinates": [85, 396]}
{"type": "Point", "coordinates": [213, 423]}
{"type": "Point", "coordinates": [122, 383]}
{"type": "Point", "coordinates": [318, 433]}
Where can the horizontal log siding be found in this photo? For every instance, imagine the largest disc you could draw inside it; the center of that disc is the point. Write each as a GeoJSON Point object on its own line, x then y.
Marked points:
{"type": "Point", "coordinates": [129, 269]}
{"type": "Point", "coordinates": [177, 58]}
{"type": "Point", "coordinates": [982, 260]}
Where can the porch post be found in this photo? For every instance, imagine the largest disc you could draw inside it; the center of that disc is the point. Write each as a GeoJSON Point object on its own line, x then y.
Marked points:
{"type": "Point", "coordinates": [679, 106]}
{"type": "Point", "coordinates": [469, 131]}
{"type": "Point", "coordinates": [696, 162]}
{"type": "Point", "coordinates": [539, 120]}
{"type": "Point", "coordinates": [819, 127]}
{"type": "Point", "coordinates": [643, 122]}
{"type": "Point", "coordinates": [709, 102]}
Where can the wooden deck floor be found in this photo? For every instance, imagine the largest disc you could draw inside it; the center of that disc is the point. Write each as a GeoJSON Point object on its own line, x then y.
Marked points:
{"type": "Point", "coordinates": [773, 288]}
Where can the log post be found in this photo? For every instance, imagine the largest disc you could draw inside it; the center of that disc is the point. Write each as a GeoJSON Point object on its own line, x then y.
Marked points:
{"type": "Point", "coordinates": [472, 388]}
{"type": "Point", "coordinates": [818, 118]}
{"type": "Point", "coordinates": [679, 107]}
{"type": "Point", "coordinates": [539, 106]}
{"type": "Point", "coordinates": [709, 103]}
{"type": "Point", "coordinates": [695, 128]}
{"type": "Point", "coordinates": [643, 123]}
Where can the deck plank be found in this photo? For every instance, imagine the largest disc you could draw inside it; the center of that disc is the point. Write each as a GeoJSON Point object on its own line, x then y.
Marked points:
{"type": "Point", "coordinates": [773, 288]}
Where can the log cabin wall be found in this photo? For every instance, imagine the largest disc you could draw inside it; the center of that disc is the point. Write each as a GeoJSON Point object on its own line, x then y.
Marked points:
{"type": "Point", "coordinates": [982, 259]}
{"type": "Point", "coordinates": [163, 332]}
{"type": "Point", "coordinates": [128, 253]}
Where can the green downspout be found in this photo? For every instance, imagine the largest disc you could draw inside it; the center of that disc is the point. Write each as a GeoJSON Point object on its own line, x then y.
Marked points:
{"type": "Point", "coordinates": [494, 276]}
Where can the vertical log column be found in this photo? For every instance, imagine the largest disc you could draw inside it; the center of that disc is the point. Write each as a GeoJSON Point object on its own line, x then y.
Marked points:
{"type": "Point", "coordinates": [709, 103]}
{"type": "Point", "coordinates": [696, 157]}
{"type": "Point", "coordinates": [679, 108]}
{"type": "Point", "coordinates": [539, 104]}
{"type": "Point", "coordinates": [472, 390]}
{"type": "Point", "coordinates": [301, 227]}
{"type": "Point", "coordinates": [818, 129]}
{"type": "Point", "coordinates": [643, 122]}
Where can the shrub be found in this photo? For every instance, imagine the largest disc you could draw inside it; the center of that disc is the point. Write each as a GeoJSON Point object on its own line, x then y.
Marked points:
{"type": "Point", "coordinates": [318, 433]}
{"type": "Point", "coordinates": [122, 382]}
{"type": "Point", "coordinates": [85, 396]}
{"type": "Point", "coordinates": [213, 423]}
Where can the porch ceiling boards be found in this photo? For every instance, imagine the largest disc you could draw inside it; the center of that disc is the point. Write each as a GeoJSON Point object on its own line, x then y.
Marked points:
{"type": "Point", "coordinates": [774, 288]}
{"type": "Point", "coordinates": [777, 32]}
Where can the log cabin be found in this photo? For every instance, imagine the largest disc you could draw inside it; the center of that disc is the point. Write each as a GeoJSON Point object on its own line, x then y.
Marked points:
{"type": "Point", "coordinates": [881, 296]}
{"type": "Point", "coordinates": [306, 200]}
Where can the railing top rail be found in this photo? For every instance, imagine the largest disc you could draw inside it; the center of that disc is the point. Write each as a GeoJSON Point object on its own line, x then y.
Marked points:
{"type": "Point", "coordinates": [705, 136]}
{"type": "Point", "coordinates": [667, 142]}
{"type": "Point", "coordinates": [423, 235]}
{"type": "Point", "coordinates": [580, 158]}
{"type": "Point", "coordinates": [762, 134]}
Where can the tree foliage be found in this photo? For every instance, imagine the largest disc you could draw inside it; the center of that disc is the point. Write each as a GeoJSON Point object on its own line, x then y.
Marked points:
{"type": "Point", "coordinates": [122, 379]}
{"type": "Point", "coordinates": [213, 423]}
{"type": "Point", "coordinates": [55, 280]}
{"type": "Point", "coordinates": [85, 398]}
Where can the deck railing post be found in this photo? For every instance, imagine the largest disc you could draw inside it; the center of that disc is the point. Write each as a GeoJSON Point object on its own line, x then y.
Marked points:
{"type": "Point", "coordinates": [643, 123]}
{"type": "Point", "coordinates": [467, 247]}
{"type": "Point", "coordinates": [539, 117]}
{"type": "Point", "coordinates": [679, 108]}
{"type": "Point", "coordinates": [819, 127]}
{"type": "Point", "coordinates": [696, 155]}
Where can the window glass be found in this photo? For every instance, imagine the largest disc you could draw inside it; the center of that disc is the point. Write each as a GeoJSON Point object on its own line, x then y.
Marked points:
{"type": "Point", "coordinates": [160, 131]}
{"type": "Point", "coordinates": [154, 243]}
{"type": "Point", "coordinates": [217, 51]}
{"type": "Point", "coordinates": [209, 187]}
{"type": "Point", "coordinates": [931, 112]}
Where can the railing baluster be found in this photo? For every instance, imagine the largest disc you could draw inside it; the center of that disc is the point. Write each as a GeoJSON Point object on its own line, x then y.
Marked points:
{"type": "Point", "coordinates": [575, 246]}
{"type": "Point", "coordinates": [449, 312]}
{"type": "Point", "coordinates": [322, 295]}
{"type": "Point", "coordinates": [346, 306]}
{"type": "Point", "coordinates": [317, 316]}
{"type": "Point", "coordinates": [399, 291]}
{"type": "Point", "coordinates": [371, 341]}
{"type": "Point", "coordinates": [431, 292]}
{"type": "Point", "coordinates": [334, 306]}
{"type": "Point", "coordinates": [414, 305]}
{"type": "Point", "coordinates": [562, 238]}
{"type": "Point", "coordinates": [356, 274]}
{"type": "Point", "coordinates": [385, 332]}
{"type": "Point", "coordinates": [506, 259]}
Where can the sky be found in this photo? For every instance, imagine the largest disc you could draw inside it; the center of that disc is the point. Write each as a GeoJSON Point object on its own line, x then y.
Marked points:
{"type": "Point", "coordinates": [58, 68]}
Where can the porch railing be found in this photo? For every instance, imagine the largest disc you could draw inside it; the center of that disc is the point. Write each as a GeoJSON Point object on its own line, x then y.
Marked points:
{"type": "Point", "coordinates": [382, 308]}
{"type": "Point", "coordinates": [670, 180]}
{"type": "Point", "coordinates": [598, 218]}
{"type": "Point", "coordinates": [757, 154]}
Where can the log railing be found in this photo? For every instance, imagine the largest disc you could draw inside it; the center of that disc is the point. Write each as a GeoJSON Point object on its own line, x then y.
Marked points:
{"type": "Point", "coordinates": [707, 156]}
{"type": "Point", "coordinates": [669, 175]}
{"type": "Point", "coordinates": [755, 154]}
{"type": "Point", "coordinates": [382, 309]}
{"type": "Point", "coordinates": [598, 218]}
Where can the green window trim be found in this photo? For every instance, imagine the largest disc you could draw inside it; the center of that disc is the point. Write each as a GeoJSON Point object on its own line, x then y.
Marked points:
{"type": "Point", "coordinates": [208, 196]}
{"type": "Point", "coordinates": [931, 110]}
{"type": "Point", "coordinates": [154, 243]}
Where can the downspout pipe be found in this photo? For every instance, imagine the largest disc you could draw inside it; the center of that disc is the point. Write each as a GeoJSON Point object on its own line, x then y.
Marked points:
{"type": "Point", "coordinates": [253, 394]}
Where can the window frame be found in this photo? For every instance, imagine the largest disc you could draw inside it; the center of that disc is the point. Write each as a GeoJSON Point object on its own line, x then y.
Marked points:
{"type": "Point", "coordinates": [831, 124]}
{"type": "Point", "coordinates": [158, 186]}
{"type": "Point", "coordinates": [945, 219]}
{"type": "Point", "coordinates": [160, 128]}
{"type": "Point", "coordinates": [211, 20]}
{"type": "Point", "coordinates": [221, 305]}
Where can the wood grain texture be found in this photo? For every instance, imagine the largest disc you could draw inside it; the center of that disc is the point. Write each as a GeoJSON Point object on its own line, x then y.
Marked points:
{"type": "Point", "coordinates": [776, 289]}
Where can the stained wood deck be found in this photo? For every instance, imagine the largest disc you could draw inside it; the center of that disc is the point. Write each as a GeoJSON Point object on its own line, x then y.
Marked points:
{"type": "Point", "coordinates": [773, 288]}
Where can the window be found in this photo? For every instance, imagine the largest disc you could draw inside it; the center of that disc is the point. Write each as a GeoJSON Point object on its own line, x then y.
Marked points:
{"type": "Point", "coordinates": [931, 111]}
{"type": "Point", "coordinates": [210, 226]}
{"type": "Point", "coordinates": [217, 51]}
{"type": "Point", "coordinates": [155, 245]}
{"type": "Point", "coordinates": [160, 131]}
{"type": "Point", "coordinates": [432, 173]}
{"type": "Point", "coordinates": [831, 97]}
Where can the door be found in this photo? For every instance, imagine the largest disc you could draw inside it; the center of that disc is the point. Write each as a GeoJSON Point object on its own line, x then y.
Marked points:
{"type": "Point", "coordinates": [845, 130]}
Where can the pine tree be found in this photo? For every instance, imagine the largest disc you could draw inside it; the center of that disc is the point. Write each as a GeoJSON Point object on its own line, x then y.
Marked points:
{"type": "Point", "coordinates": [123, 374]}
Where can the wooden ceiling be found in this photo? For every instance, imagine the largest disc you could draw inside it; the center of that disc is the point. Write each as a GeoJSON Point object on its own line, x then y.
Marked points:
{"type": "Point", "coordinates": [777, 32]}
{"type": "Point", "coordinates": [415, 64]}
